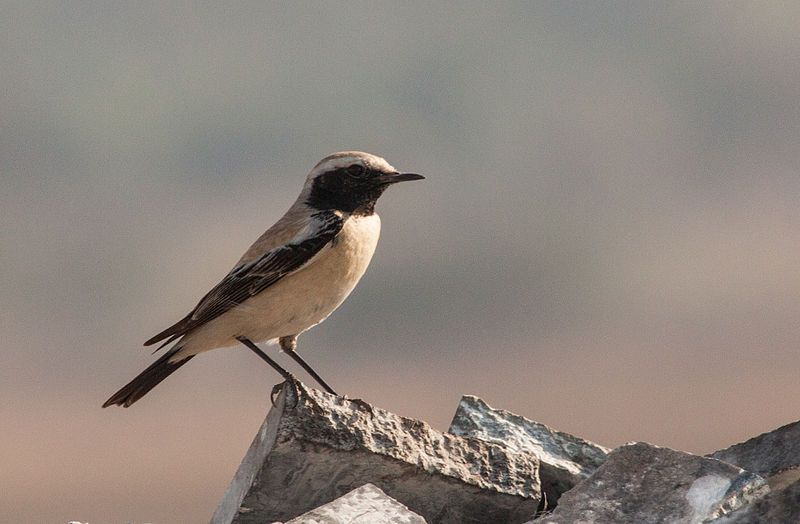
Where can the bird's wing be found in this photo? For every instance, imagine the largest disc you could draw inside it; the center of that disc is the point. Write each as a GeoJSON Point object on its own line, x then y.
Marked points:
{"type": "Point", "coordinates": [247, 280]}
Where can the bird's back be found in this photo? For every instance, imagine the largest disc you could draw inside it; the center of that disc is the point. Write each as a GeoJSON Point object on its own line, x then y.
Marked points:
{"type": "Point", "coordinates": [289, 225]}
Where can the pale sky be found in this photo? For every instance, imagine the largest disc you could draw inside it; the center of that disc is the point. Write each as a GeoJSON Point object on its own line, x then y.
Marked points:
{"type": "Point", "coordinates": [607, 241]}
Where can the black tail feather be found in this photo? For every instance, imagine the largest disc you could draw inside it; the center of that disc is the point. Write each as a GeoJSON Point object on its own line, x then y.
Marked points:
{"type": "Point", "coordinates": [146, 380]}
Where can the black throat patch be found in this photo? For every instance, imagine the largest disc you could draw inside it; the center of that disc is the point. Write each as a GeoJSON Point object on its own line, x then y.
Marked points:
{"type": "Point", "coordinates": [340, 191]}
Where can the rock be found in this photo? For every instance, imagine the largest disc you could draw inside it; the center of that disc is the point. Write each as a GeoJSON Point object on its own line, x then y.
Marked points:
{"type": "Point", "coordinates": [564, 459]}
{"type": "Point", "coordinates": [784, 478]}
{"type": "Point", "coordinates": [641, 483]}
{"type": "Point", "coordinates": [779, 506]}
{"type": "Point", "coordinates": [767, 454]}
{"type": "Point", "coordinates": [364, 505]}
{"type": "Point", "coordinates": [314, 447]}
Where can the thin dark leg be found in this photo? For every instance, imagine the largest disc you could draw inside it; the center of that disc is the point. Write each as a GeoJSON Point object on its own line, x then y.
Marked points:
{"type": "Point", "coordinates": [289, 344]}
{"type": "Point", "coordinates": [247, 342]}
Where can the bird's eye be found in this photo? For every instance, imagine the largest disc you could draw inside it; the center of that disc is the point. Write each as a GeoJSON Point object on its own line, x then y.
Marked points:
{"type": "Point", "coordinates": [356, 170]}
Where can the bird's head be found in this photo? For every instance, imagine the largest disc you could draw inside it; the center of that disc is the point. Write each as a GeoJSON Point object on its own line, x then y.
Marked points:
{"type": "Point", "coordinates": [351, 181]}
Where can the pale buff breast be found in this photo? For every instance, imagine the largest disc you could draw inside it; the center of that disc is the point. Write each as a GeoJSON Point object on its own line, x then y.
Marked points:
{"type": "Point", "coordinates": [300, 300]}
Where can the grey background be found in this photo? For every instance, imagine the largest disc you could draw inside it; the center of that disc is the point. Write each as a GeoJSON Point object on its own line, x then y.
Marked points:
{"type": "Point", "coordinates": [607, 240]}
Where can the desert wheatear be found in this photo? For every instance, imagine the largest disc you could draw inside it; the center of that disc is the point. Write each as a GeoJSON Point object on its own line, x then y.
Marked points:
{"type": "Point", "coordinates": [295, 275]}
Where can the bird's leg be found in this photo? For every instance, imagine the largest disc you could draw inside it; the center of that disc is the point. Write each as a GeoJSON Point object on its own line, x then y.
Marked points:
{"type": "Point", "coordinates": [249, 343]}
{"type": "Point", "coordinates": [289, 345]}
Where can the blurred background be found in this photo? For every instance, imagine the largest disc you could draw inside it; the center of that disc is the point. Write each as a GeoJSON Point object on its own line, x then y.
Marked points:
{"type": "Point", "coordinates": [607, 240]}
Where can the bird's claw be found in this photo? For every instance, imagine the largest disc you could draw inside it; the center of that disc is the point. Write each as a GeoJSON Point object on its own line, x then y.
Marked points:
{"type": "Point", "coordinates": [278, 388]}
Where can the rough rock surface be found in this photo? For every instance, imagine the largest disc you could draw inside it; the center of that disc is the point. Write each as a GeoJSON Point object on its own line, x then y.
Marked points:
{"type": "Point", "coordinates": [314, 447]}
{"type": "Point", "coordinates": [768, 454]}
{"type": "Point", "coordinates": [778, 507]}
{"type": "Point", "coordinates": [564, 459]}
{"type": "Point", "coordinates": [641, 483]}
{"type": "Point", "coordinates": [364, 505]}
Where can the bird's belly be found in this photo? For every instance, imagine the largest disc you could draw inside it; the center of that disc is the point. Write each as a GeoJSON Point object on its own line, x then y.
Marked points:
{"type": "Point", "coordinates": [300, 300]}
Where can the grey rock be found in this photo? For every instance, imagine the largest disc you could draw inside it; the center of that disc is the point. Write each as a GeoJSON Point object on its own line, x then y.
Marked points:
{"type": "Point", "coordinates": [564, 459]}
{"type": "Point", "coordinates": [364, 505]}
{"type": "Point", "coordinates": [767, 454]}
{"type": "Point", "coordinates": [641, 483]}
{"type": "Point", "coordinates": [781, 506]}
{"type": "Point", "coordinates": [314, 447]}
{"type": "Point", "coordinates": [783, 478]}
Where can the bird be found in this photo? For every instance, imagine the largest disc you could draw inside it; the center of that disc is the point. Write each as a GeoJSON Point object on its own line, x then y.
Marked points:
{"type": "Point", "coordinates": [290, 279]}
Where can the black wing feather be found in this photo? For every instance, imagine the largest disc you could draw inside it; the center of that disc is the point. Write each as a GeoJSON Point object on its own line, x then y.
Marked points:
{"type": "Point", "coordinates": [252, 278]}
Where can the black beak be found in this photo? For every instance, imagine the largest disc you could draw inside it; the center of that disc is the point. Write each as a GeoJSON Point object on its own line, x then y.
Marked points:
{"type": "Point", "coordinates": [393, 178]}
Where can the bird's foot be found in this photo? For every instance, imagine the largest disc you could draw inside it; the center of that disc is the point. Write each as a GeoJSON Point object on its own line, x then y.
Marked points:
{"type": "Point", "coordinates": [292, 381]}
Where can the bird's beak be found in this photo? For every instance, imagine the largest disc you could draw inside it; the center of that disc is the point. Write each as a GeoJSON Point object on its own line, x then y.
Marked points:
{"type": "Point", "coordinates": [393, 178]}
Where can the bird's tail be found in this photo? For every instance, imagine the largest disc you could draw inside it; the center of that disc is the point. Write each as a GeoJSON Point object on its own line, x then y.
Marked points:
{"type": "Point", "coordinates": [146, 380]}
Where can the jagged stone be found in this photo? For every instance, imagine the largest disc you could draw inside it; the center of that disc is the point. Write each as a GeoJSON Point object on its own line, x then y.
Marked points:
{"type": "Point", "coordinates": [768, 454]}
{"type": "Point", "coordinates": [314, 447]}
{"type": "Point", "coordinates": [564, 459]}
{"type": "Point", "coordinates": [641, 483]}
{"type": "Point", "coordinates": [364, 505]}
{"type": "Point", "coordinates": [781, 506]}
{"type": "Point", "coordinates": [784, 478]}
